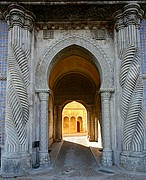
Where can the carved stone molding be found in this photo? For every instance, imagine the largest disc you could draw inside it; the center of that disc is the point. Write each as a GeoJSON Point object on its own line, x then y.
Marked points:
{"type": "Point", "coordinates": [77, 25]}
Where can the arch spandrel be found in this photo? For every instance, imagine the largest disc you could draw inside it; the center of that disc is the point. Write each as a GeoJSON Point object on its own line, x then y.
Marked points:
{"type": "Point", "coordinates": [101, 61]}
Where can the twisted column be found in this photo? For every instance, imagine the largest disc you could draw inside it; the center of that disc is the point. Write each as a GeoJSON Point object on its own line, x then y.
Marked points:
{"type": "Point", "coordinates": [107, 159]}
{"type": "Point", "coordinates": [44, 156]}
{"type": "Point", "coordinates": [132, 109]}
{"type": "Point", "coordinates": [132, 101]}
{"type": "Point", "coordinates": [20, 24]}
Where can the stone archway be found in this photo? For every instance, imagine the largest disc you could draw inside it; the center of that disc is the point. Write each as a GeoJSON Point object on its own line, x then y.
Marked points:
{"type": "Point", "coordinates": [100, 59]}
{"type": "Point", "coordinates": [94, 56]}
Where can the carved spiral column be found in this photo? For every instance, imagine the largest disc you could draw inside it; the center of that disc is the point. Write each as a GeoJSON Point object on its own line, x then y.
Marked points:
{"type": "Point", "coordinates": [20, 24]}
{"type": "Point", "coordinates": [107, 159]}
{"type": "Point", "coordinates": [44, 156]}
{"type": "Point", "coordinates": [132, 109]}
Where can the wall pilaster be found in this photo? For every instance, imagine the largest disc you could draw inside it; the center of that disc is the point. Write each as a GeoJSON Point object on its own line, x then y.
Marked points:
{"type": "Point", "coordinates": [16, 159]}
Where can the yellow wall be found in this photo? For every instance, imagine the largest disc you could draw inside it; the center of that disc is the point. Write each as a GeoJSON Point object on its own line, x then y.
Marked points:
{"type": "Point", "coordinates": [74, 118]}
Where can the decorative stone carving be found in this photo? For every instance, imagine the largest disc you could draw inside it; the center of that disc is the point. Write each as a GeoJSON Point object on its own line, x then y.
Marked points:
{"type": "Point", "coordinates": [132, 14]}
{"type": "Point", "coordinates": [44, 66]}
{"type": "Point", "coordinates": [99, 26]}
{"type": "Point", "coordinates": [44, 156]}
{"type": "Point", "coordinates": [107, 157]}
{"type": "Point", "coordinates": [132, 87]}
{"type": "Point", "coordinates": [132, 104]}
{"type": "Point", "coordinates": [17, 106]}
{"type": "Point", "coordinates": [127, 24]}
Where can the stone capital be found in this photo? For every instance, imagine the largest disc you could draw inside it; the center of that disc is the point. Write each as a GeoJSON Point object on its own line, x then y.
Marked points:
{"type": "Point", "coordinates": [18, 16]}
{"type": "Point", "coordinates": [43, 96]}
{"type": "Point", "coordinates": [118, 18]}
{"type": "Point", "coordinates": [131, 14]}
{"type": "Point", "coordinates": [106, 93]}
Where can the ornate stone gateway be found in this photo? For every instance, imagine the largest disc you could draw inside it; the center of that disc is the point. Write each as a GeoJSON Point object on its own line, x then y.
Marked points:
{"type": "Point", "coordinates": [50, 53]}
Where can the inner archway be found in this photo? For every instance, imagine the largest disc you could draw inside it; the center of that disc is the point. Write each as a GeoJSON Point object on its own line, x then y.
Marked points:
{"type": "Point", "coordinates": [74, 119]}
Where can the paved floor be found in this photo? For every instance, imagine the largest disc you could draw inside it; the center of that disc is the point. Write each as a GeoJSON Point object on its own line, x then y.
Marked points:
{"type": "Point", "coordinates": [77, 161]}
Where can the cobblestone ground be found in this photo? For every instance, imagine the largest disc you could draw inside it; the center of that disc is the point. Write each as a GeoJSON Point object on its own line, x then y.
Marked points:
{"type": "Point", "coordinates": [76, 162]}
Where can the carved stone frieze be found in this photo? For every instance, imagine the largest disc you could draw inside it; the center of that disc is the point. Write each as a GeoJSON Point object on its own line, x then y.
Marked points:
{"type": "Point", "coordinates": [77, 25]}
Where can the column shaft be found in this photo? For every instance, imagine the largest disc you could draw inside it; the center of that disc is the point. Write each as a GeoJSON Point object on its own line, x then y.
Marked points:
{"type": "Point", "coordinates": [107, 159]}
{"type": "Point", "coordinates": [59, 123]}
{"type": "Point", "coordinates": [44, 156]}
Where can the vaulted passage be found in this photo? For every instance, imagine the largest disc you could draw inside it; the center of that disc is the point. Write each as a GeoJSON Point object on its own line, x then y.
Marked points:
{"type": "Point", "coordinates": [74, 77]}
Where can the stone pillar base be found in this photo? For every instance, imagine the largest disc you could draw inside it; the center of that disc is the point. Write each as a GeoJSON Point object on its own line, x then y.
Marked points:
{"type": "Point", "coordinates": [135, 162]}
{"type": "Point", "coordinates": [15, 165]}
{"type": "Point", "coordinates": [44, 159]}
{"type": "Point", "coordinates": [107, 158]}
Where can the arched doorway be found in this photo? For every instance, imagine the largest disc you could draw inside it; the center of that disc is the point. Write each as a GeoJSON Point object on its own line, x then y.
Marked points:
{"type": "Point", "coordinates": [77, 58]}
{"type": "Point", "coordinates": [75, 78]}
{"type": "Point", "coordinates": [74, 119]}
{"type": "Point", "coordinates": [78, 126]}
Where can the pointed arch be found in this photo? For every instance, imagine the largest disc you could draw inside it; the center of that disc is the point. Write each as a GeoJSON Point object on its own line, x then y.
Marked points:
{"type": "Point", "coordinates": [100, 60]}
